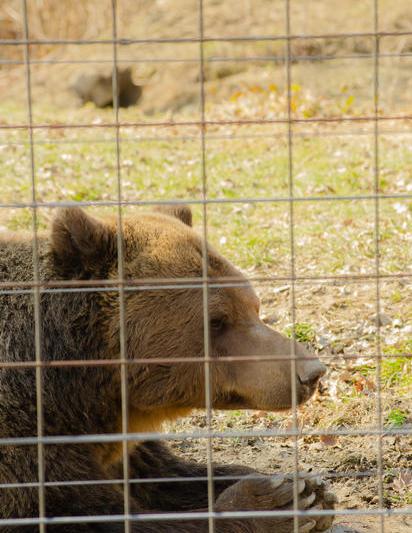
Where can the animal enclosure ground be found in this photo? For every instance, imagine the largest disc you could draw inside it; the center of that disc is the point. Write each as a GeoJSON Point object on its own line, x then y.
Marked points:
{"type": "Point", "coordinates": [334, 234]}
{"type": "Point", "coordinates": [332, 237]}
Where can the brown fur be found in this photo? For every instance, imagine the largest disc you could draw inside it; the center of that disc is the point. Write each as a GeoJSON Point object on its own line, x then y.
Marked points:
{"type": "Point", "coordinates": [139, 422]}
{"type": "Point", "coordinates": [161, 323]}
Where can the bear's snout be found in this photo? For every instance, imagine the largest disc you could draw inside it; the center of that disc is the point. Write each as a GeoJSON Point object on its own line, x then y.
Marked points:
{"type": "Point", "coordinates": [311, 372]}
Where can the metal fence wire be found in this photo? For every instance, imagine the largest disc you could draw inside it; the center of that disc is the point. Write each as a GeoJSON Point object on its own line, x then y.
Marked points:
{"type": "Point", "coordinates": [204, 129]}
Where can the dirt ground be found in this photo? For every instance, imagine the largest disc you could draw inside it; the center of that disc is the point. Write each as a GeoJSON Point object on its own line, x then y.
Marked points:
{"type": "Point", "coordinates": [360, 525]}
{"type": "Point", "coordinates": [350, 465]}
{"type": "Point", "coordinates": [231, 65]}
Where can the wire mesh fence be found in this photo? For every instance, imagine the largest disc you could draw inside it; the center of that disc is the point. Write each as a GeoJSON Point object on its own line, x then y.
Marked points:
{"type": "Point", "coordinates": [291, 123]}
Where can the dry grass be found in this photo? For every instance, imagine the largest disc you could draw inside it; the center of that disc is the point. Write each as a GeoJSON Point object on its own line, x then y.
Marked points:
{"type": "Point", "coordinates": [226, 71]}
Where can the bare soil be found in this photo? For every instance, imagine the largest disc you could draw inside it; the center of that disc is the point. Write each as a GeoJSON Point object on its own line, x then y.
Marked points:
{"type": "Point", "coordinates": [170, 71]}
{"type": "Point", "coordinates": [350, 465]}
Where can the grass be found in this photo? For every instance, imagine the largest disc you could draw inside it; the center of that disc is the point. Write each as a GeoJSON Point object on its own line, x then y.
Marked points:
{"type": "Point", "coordinates": [331, 237]}
{"type": "Point", "coordinates": [397, 418]}
{"type": "Point", "coordinates": [396, 367]}
{"type": "Point", "coordinates": [303, 332]}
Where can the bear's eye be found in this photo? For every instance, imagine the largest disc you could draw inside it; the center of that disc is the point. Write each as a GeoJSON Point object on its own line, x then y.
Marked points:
{"type": "Point", "coordinates": [218, 324]}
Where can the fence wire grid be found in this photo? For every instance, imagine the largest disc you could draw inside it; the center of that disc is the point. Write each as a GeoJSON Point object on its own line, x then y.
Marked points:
{"type": "Point", "coordinates": [203, 129]}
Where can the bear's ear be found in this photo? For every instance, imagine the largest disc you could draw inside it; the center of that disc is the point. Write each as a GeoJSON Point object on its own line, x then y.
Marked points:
{"type": "Point", "coordinates": [82, 244]}
{"type": "Point", "coordinates": [182, 212]}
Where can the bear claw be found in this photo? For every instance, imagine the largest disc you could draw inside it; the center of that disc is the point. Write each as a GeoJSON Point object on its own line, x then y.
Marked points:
{"type": "Point", "coordinates": [255, 492]}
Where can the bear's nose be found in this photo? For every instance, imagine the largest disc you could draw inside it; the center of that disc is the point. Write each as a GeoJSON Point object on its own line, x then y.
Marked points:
{"type": "Point", "coordinates": [311, 372]}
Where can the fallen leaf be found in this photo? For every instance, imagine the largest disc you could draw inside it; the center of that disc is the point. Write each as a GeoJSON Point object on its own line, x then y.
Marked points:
{"type": "Point", "coordinates": [329, 440]}
{"type": "Point", "coordinates": [363, 384]}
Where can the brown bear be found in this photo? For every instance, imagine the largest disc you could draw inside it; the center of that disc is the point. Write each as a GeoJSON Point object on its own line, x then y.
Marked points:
{"type": "Point", "coordinates": [80, 338]}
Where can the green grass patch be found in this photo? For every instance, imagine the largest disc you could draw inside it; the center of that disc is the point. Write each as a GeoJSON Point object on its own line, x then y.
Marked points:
{"type": "Point", "coordinates": [399, 499]}
{"type": "Point", "coordinates": [396, 418]}
{"type": "Point", "coordinates": [396, 367]}
{"type": "Point", "coordinates": [303, 332]}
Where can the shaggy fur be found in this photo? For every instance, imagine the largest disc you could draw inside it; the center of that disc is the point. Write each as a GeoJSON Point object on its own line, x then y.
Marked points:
{"type": "Point", "coordinates": [159, 323]}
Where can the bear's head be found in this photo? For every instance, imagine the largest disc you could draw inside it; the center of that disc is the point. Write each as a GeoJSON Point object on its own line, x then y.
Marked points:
{"type": "Point", "coordinates": [168, 305]}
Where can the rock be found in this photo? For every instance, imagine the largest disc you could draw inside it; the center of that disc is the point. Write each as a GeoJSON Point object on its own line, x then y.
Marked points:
{"type": "Point", "coordinates": [382, 318]}
{"type": "Point", "coordinates": [345, 290]}
{"type": "Point", "coordinates": [341, 528]}
{"type": "Point", "coordinates": [97, 88]}
{"type": "Point", "coordinates": [282, 288]}
{"type": "Point", "coordinates": [323, 341]}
